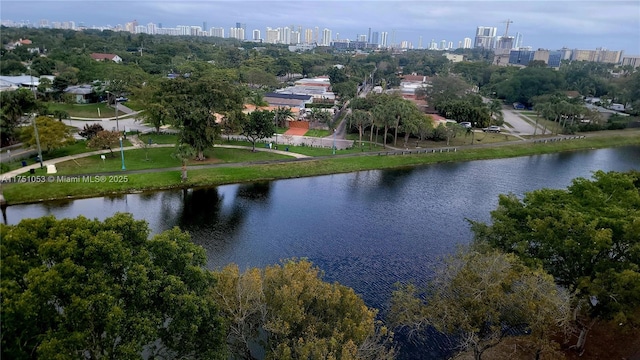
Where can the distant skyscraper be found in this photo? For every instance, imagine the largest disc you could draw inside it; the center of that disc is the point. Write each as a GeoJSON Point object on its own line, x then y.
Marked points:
{"type": "Point", "coordinates": [433, 45]}
{"type": "Point", "coordinates": [374, 38]}
{"type": "Point", "coordinates": [236, 33]}
{"type": "Point", "coordinates": [369, 36]}
{"type": "Point", "coordinates": [286, 35]}
{"type": "Point", "coordinates": [467, 43]}
{"type": "Point", "coordinates": [485, 37]}
{"type": "Point", "coordinates": [383, 39]}
{"type": "Point", "coordinates": [316, 35]}
{"type": "Point", "coordinates": [308, 36]}
{"type": "Point", "coordinates": [256, 34]}
{"type": "Point", "coordinates": [204, 25]}
{"type": "Point", "coordinates": [362, 38]}
{"type": "Point", "coordinates": [517, 44]}
{"type": "Point", "coordinates": [443, 45]}
{"type": "Point", "coordinates": [242, 26]}
{"type": "Point", "coordinates": [272, 36]}
{"type": "Point", "coordinates": [450, 45]}
{"type": "Point", "coordinates": [420, 42]}
{"type": "Point", "coordinates": [217, 32]}
{"type": "Point", "coordinates": [151, 28]}
{"type": "Point", "coordinates": [326, 37]}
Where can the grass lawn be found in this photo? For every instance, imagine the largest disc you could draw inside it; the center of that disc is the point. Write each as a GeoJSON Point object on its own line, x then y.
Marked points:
{"type": "Point", "coordinates": [85, 110]}
{"type": "Point", "coordinates": [318, 133]}
{"type": "Point", "coordinates": [78, 147]}
{"type": "Point", "coordinates": [156, 158]}
{"type": "Point", "coordinates": [159, 138]}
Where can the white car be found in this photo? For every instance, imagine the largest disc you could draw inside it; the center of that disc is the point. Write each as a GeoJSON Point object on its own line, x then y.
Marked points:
{"type": "Point", "coordinates": [492, 128]}
{"type": "Point", "coordinates": [466, 124]}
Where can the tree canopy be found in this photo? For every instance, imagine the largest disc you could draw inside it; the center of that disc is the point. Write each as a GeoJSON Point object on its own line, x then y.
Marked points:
{"type": "Point", "coordinates": [80, 288]}
{"type": "Point", "coordinates": [587, 237]}
{"type": "Point", "coordinates": [294, 314]}
{"type": "Point", "coordinates": [480, 297]}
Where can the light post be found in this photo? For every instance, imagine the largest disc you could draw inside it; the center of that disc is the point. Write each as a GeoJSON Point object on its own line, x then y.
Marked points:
{"type": "Point", "coordinates": [276, 134]}
{"type": "Point", "coordinates": [35, 130]}
{"type": "Point", "coordinates": [334, 141]}
{"type": "Point", "coordinates": [115, 105]}
{"type": "Point", "coordinates": [122, 154]}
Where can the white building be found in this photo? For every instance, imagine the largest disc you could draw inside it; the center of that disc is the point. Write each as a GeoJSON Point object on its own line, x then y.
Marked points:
{"type": "Point", "coordinates": [467, 43]}
{"type": "Point", "coordinates": [217, 32]}
{"type": "Point", "coordinates": [326, 37]}
{"type": "Point", "coordinates": [384, 39]}
{"type": "Point", "coordinates": [256, 34]}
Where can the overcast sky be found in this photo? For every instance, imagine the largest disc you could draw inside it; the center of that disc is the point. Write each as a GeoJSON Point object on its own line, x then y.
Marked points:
{"type": "Point", "coordinates": [614, 25]}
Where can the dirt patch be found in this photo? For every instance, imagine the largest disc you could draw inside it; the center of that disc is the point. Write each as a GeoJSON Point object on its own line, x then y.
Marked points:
{"type": "Point", "coordinates": [205, 161]}
{"type": "Point", "coordinates": [296, 131]}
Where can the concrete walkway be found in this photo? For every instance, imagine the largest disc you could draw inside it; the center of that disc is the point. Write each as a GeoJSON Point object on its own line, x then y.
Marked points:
{"type": "Point", "coordinates": [137, 145]}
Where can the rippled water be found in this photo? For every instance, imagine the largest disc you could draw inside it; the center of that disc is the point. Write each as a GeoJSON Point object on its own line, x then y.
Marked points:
{"type": "Point", "coordinates": [366, 230]}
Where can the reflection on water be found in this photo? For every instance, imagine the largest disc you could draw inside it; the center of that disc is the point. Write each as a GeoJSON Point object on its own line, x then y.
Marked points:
{"type": "Point", "coordinates": [366, 230]}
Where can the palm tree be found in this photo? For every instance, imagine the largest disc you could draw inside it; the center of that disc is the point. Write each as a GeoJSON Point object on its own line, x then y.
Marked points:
{"type": "Point", "coordinates": [495, 108]}
{"type": "Point", "coordinates": [256, 99]}
{"type": "Point", "coordinates": [360, 119]}
{"type": "Point", "coordinates": [184, 153]}
{"type": "Point", "coordinates": [384, 118]}
{"type": "Point", "coordinates": [283, 114]}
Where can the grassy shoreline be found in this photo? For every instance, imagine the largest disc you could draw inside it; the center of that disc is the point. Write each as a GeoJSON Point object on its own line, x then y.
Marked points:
{"type": "Point", "coordinates": [38, 192]}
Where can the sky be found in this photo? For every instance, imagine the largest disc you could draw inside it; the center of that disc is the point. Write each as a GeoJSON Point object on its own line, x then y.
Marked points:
{"type": "Point", "coordinates": [576, 24]}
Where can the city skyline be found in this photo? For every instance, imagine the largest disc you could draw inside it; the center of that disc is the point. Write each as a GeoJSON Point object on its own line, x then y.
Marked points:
{"type": "Point", "coordinates": [543, 24]}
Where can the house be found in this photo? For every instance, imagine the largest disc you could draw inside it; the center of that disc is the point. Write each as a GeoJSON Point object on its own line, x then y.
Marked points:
{"type": "Point", "coordinates": [21, 81]}
{"type": "Point", "coordinates": [103, 57]}
{"type": "Point", "coordinates": [83, 93]}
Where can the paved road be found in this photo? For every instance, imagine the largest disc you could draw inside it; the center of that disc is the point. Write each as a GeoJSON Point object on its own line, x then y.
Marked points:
{"type": "Point", "coordinates": [520, 126]}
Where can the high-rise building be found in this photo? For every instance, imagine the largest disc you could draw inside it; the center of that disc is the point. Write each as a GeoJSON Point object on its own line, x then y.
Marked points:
{"type": "Point", "coordinates": [443, 45]}
{"type": "Point", "coordinates": [383, 39]}
{"type": "Point", "coordinates": [433, 45]}
{"type": "Point", "coordinates": [296, 37]}
{"type": "Point", "coordinates": [151, 28]}
{"type": "Point", "coordinates": [362, 38]}
{"type": "Point", "coordinates": [236, 33]}
{"type": "Point", "coordinates": [204, 25]}
{"type": "Point", "coordinates": [420, 42]}
{"type": "Point", "coordinates": [286, 35]}
{"type": "Point", "coordinates": [369, 37]}
{"type": "Point", "coordinates": [375, 36]}
{"type": "Point", "coordinates": [450, 45]}
{"type": "Point", "coordinates": [256, 34]}
{"type": "Point", "coordinates": [316, 35]}
{"type": "Point", "coordinates": [517, 44]}
{"type": "Point", "coordinates": [140, 29]}
{"type": "Point", "coordinates": [467, 43]}
{"type": "Point", "coordinates": [242, 26]}
{"type": "Point", "coordinates": [326, 37]}
{"type": "Point", "coordinates": [272, 36]}
{"type": "Point", "coordinates": [217, 32]}
{"type": "Point", "coordinates": [308, 36]}
{"type": "Point", "coordinates": [485, 37]}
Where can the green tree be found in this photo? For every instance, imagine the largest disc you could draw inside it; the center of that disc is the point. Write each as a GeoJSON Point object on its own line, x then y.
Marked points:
{"type": "Point", "coordinates": [105, 140]}
{"type": "Point", "coordinates": [15, 104]}
{"type": "Point", "coordinates": [192, 105]}
{"type": "Point", "coordinates": [80, 288]}
{"type": "Point", "coordinates": [232, 122]}
{"type": "Point", "coordinates": [360, 119]}
{"type": "Point", "coordinates": [259, 125]}
{"type": "Point", "coordinates": [282, 114]}
{"type": "Point", "coordinates": [480, 296]}
{"type": "Point", "coordinates": [52, 134]}
{"type": "Point", "coordinates": [296, 315]}
{"type": "Point", "coordinates": [184, 153]}
{"type": "Point", "coordinates": [586, 236]}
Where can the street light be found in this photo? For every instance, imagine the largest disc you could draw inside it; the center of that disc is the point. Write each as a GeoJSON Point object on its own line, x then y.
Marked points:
{"type": "Point", "coordinates": [115, 105]}
{"type": "Point", "coordinates": [35, 129]}
{"type": "Point", "coordinates": [122, 154]}
{"type": "Point", "coordinates": [334, 141]}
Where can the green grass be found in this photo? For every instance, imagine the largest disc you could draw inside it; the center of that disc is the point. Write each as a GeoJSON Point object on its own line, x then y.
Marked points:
{"type": "Point", "coordinates": [85, 110]}
{"type": "Point", "coordinates": [29, 192]}
{"type": "Point", "coordinates": [78, 147]}
{"type": "Point", "coordinates": [159, 138]}
{"type": "Point", "coordinates": [318, 133]}
{"type": "Point", "coordinates": [157, 158]}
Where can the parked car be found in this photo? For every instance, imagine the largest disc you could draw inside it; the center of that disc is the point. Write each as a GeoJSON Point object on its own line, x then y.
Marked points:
{"type": "Point", "coordinates": [122, 99]}
{"type": "Point", "coordinates": [466, 124]}
{"type": "Point", "coordinates": [492, 128]}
